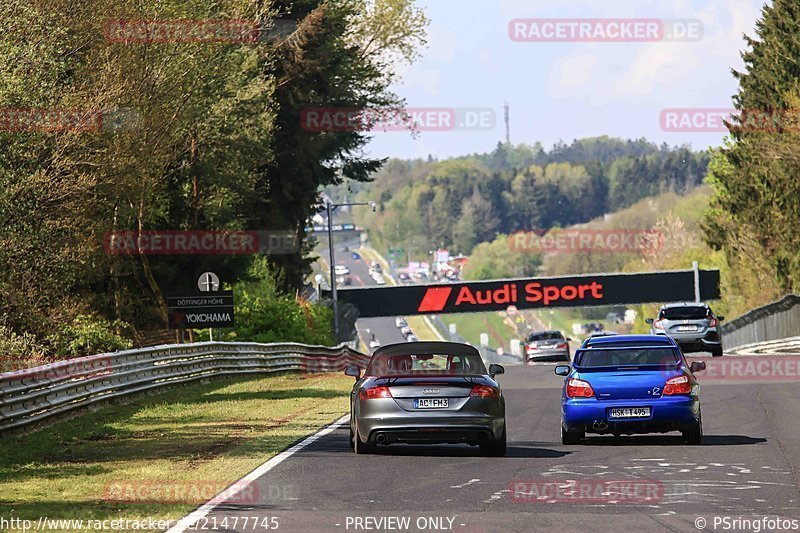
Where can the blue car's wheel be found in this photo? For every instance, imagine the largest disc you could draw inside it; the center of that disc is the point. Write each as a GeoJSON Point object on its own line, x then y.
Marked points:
{"type": "Point", "coordinates": [572, 436]}
{"type": "Point", "coordinates": [694, 435]}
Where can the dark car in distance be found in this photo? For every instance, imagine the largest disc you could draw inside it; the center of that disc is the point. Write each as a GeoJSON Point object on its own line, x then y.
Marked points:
{"type": "Point", "coordinates": [546, 346]}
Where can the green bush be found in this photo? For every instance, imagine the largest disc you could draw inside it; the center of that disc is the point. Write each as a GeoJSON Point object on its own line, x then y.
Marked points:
{"type": "Point", "coordinates": [88, 335]}
{"type": "Point", "coordinates": [19, 351]}
{"type": "Point", "coordinates": [263, 314]}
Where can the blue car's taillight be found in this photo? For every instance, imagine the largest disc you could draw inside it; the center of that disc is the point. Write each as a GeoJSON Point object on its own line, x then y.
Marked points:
{"type": "Point", "coordinates": [577, 388]}
{"type": "Point", "coordinates": [677, 386]}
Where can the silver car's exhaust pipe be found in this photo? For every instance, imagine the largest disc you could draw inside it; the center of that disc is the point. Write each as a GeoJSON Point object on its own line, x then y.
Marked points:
{"type": "Point", "coordinates": [381, 438]}
{"type": "Point", "coordinates": [600, 425]}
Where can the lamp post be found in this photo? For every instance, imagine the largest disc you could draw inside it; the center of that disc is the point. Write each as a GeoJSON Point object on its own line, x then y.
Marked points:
{"type": "Point", "coordinates": [330, 208]}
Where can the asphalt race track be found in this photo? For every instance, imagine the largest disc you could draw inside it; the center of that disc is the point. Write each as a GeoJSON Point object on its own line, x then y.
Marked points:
{"type": "Point", "coordinates": [383, 328]}
{"type": "Point", "coordinates": [748, 466]}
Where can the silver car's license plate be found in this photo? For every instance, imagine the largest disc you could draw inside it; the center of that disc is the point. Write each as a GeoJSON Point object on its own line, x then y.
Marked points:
{"type": "Point", "coordinates": [687, 328]}
{"type": "Point", "coordinates": [629, 412]}
{"type": "Point", "coordinates": [431, 403]}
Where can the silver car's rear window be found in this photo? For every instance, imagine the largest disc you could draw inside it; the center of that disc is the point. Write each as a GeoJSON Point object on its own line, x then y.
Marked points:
{"type": "Point", "coordinates": [429, 364]}
{"type": "Point", "coordinates": [546, 336]}
{"type": "Point", "coordinates": [685, 313]}
{"type": "Point", "coordinates": [647, 356]}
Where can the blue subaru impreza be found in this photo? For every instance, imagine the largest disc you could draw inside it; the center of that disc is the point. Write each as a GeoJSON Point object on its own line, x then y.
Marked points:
{"type": "Point", "coordinates": [627, 384]}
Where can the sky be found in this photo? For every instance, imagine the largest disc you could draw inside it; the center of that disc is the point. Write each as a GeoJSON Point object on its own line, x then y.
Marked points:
{"type": "Point", "coordinates": [561, 91]}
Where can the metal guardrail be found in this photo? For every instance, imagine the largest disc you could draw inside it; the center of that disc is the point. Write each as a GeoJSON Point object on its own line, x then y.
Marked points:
{"type": "Point", "coordinates": [42, 394]}
{"type": "Point", "coordinates": [778, 320]}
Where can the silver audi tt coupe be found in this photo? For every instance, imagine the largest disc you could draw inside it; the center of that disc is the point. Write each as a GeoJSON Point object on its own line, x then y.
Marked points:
{"type": "Point", "coordinates": [427, 392]}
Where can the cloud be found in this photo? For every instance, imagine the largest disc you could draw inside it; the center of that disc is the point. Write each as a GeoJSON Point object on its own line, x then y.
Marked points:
{"type": "Point", "coordinates": [697, 71]}
{"type": "Point", "coordinates": [427, 80]}
{"type": "Point", "coordinates": [577, 70]}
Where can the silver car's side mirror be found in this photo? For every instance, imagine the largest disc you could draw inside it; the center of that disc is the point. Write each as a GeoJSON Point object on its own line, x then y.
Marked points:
{"type": "Point", "coordinates": [650, 321]}
{"type": "Point", "coordinates": [353, 371]}
{"type": "Point", "coordinates": [561, 370]}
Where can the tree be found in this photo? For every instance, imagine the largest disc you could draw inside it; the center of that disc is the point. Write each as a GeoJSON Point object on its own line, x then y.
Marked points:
{"type": "Point", "coordinates": [756, 207]}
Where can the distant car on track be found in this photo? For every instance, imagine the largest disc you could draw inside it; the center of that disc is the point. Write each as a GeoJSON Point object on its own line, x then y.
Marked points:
{"type": "Point", "coordinates": [374, 343]}
{"type": "Point", "coordinates": [400, 322]}
{"type": "Point", "coordinates": [693, 326]}
{"type": "Point", "coordinates": [546, 346]}
{"type": "Point", "coordinates": [627, 384]}
{"type": "Point", "coordinates": [427, 392]}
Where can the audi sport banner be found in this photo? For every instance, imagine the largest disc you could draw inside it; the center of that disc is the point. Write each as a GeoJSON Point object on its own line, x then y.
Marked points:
{"type": "Point", "coordinates": [574, 291]}
{"type": "Point", "coordinates": [202, 310]}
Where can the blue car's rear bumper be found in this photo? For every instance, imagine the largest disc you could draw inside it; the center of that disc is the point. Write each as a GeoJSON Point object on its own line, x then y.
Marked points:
{"type": "Point", "coordinates": [667, 413]}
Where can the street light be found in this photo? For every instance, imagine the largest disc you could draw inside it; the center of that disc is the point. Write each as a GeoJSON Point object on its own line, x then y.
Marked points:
{"type": "Point", "coordinates": [331, 207]}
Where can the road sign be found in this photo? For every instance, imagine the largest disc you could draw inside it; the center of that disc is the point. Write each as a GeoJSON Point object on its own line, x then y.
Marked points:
{"type": "Point", "coordinates": [532, 293]}
{"type": "Point", "coordinates": [208, 282]}
{"type": "Point", "coordinates": [199, 311]}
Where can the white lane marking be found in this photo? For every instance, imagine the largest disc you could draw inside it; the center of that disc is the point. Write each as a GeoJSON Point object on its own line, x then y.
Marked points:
{"type": "Point", "coordinates": [428, 322]}
{"type": "Point", "coordinates": [470, 482]}
{"type": "Point", "coordinates": [203, 511]}
{"type": "Point", "coordinates": [497, 495]}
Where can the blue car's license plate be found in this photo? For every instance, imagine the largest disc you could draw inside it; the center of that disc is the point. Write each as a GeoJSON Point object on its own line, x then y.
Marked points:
{"type": "Point", "coordinates": [431, 403]}
{"type": "Point", "coordinates": [629, 412]}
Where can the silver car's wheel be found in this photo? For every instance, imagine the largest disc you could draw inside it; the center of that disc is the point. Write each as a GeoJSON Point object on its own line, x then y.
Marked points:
{"type": "Point", "coordinates": [360, 447]}
{"type": "Point", "coordinates": [497, 447]}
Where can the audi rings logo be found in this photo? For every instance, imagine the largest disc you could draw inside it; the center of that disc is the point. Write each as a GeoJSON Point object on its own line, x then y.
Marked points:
{"type": "Point", "coordinates": [430, 391]}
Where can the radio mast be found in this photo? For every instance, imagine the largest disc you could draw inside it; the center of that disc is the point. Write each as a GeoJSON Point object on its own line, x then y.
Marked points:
{"type": "Point", "coordinates": [508, 122]}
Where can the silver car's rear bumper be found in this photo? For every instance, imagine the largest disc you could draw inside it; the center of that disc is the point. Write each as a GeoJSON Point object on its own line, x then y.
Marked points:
{"type": "Point", "coordinates": [472, 430]}
{"type": "Point", "coordinates": [477, 420]}
{"type": "Point", "coordinates": [548, 355]}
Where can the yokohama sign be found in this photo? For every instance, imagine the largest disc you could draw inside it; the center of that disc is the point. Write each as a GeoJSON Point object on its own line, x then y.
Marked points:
{"type": "Point", "coordinates": [579, 291]}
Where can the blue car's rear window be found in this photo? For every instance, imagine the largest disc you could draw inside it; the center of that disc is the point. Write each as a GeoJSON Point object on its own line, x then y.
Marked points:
{"type": "Point", "coordinates": [628, 357]}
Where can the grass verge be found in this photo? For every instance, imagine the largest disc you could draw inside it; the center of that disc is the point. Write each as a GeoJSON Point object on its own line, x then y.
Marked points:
{"type": "Point", "coordinates": [421, 329]}
{"type": "Point", "coordinates": [471, 325]}
{"type": "Point", "coordinates": [163, 454]}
